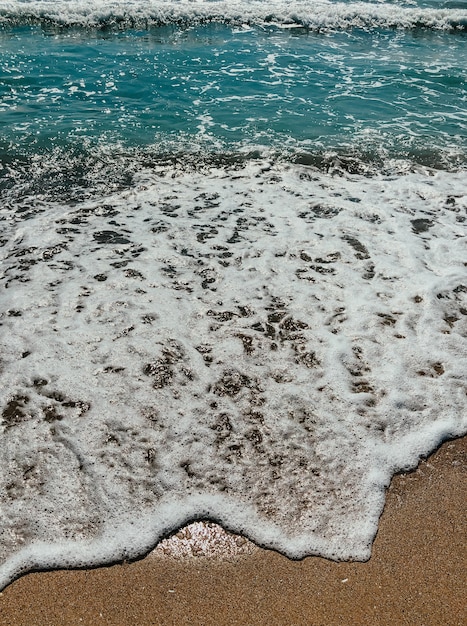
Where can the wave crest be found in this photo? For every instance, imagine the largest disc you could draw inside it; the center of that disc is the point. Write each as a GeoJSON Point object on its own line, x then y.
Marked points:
{"type": "Point", "coordinates": [315, 16]}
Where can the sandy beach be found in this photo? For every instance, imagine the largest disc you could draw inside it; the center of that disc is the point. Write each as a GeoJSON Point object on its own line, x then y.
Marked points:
{"type": "Point", "coordinates": [416, 575]}
{"type": "Point", "coordinates": [233, 291]}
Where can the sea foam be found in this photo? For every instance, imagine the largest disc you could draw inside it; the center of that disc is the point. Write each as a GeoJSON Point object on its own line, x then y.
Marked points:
{"type": "Point", "coordinates": [312, 14]}
{"type": "Point", "coordinates": [262, 345]}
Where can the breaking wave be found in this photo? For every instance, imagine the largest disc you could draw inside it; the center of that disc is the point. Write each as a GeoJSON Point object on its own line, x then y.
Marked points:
{"type": "Point", "coordinates": [313, 15]}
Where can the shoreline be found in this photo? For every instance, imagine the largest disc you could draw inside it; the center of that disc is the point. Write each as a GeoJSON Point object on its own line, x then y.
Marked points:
{"type": "Point", "coordinates": [417, 573]}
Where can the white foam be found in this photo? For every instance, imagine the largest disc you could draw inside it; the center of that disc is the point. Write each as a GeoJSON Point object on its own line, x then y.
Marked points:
{"type": "Point", "coordinates": [263, 345]}
{"type": "Point", "coordinates": [313, 14]}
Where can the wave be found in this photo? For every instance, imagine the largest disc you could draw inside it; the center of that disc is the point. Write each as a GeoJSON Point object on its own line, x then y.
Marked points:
{"type": "Point", "coordinates": [261, 345]}
{"type": "Point", "coordinates": [74, 172]}
{"type": "Point", "coordinates": [308, 14]}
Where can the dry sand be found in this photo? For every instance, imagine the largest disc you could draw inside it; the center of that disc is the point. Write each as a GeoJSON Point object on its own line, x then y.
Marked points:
{"type": "Point", "coordinates": [417, 574]}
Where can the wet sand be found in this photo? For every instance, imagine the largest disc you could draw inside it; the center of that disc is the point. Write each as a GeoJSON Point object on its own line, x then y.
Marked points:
{"type": "Point", "coordinates": [416, 575]}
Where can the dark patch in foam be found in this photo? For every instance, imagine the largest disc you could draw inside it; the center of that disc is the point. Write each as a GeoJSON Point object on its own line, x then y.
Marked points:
{"type": "Point", "coordinates": [15, 411]}
{"type": "Point", "coordinates": [163, 372]}
{"type": "Point", "coordinates": [433, 370]}
{"type": "Point", "coordinates": [361, 251]}
{"type": "Point", "coordinates": [110, 237]}
{"type": "Point", "coordinates": [231, 383]}
{"type": "Point", "coordinates": [421, 225]}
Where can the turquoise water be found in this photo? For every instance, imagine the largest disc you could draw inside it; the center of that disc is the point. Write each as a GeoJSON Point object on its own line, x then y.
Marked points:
{"type": "Point", "coordinates": [378, 94]}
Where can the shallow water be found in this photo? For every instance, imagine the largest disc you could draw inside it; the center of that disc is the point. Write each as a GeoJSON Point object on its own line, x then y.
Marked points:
{"type": "Point", "coordinates": [373, 94]}
{"type": "Point", "coordinates": [233, 269]}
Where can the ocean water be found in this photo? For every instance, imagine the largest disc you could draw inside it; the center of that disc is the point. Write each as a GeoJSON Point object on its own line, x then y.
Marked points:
{"type": "Point", "coordinates": [233, 269]}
